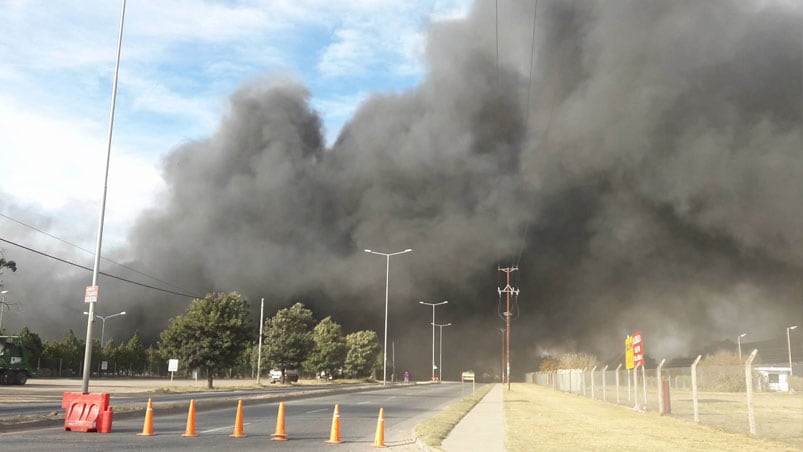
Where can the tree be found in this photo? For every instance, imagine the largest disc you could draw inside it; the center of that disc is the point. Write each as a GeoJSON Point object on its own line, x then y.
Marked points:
{"type": "Point", "coordinates": [33, 342]}
{"type": "Point", "coordinates": [11, 265]}
{"type": "Point", "coordinates": [288, 339]}
{"type": "Point", "coordinates": [363, 352]}
{"type": "Point", "coordinates": [329, 350]}
{"type": "Point", "coordinates": [210, 335]}
{"type": "Point", "coordinates": [133, 352]}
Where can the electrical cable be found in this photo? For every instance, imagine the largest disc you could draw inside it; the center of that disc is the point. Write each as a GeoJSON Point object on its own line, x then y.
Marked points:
{"type": "Point", "coordinates": [90, 252]}
{"type": "Point", "coordinates": [102, 273]}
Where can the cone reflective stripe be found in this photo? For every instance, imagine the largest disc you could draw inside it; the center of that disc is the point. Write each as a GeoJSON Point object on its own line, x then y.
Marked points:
{"type": "Point", "coordinates": [190, 430]}
{"type": "Point", "coordinates": [238, 422]}
{"type": "Point", "coordinates": [334, 434]}
{"type": "Point", "coordinates": [379, 438]}
{"type": "Point", "coordinates": [147, 428]}
{"type": "Point", "coordinates": [280, 434]}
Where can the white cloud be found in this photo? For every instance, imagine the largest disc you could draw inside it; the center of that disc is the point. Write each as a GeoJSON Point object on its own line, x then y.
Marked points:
{"type": "Point", "coordinates": [59, 162]}
{"type": "Point", "coordinates": [180, 61]}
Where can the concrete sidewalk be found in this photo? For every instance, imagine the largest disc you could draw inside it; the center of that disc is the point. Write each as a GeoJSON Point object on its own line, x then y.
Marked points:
{"type": "Point", "coordinates": [483, 428]}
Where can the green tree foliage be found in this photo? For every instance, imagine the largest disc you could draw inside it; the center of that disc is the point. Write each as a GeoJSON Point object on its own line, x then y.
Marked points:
{"type": "Point", "coordinates": [33, 342]}
{"type": "Point", "coordinates": [722, 371]}
{"type": "Point", "coordinates": [69, 353]}
{"type": "Point", "coordinates": [568, 361]}
{"type": "Point", "coordinates": [288, 338]}
{"type": "Point", "coordinates": [577, 361]}
{"type": "Point", "coordinates": [210, 335]}
{"type": "Point", "coordinates": [363, 353]}
{"type": "Point", "coordinates": [132, 355]}
{"type": "Point", "coordinates": [329, 350]}
{"type": "Point", "coordinates": [11, 265]}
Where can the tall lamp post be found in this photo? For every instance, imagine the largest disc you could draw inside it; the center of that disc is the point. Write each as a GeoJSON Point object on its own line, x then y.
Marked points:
{"type": "Point", "coordinates": [433, 332]}
{"type": "Point", "coordinates": [789, 348]}
{"type": "Point", "coordinates": [103, 323]}
{"type": "Point", "coordinates": [739, 344]}
{"type": "Point", "coordinates": [3, 305]}
{"type": "Point", "coordinates": [387, 285]}
{"type": "Point", "coordinates": [96, 265]}
{"type": "Point", "coordinates": [440, 359]}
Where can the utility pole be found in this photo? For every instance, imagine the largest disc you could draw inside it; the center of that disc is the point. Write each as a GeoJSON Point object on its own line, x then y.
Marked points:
{"type": "Point", "coordinates": [507, 291]}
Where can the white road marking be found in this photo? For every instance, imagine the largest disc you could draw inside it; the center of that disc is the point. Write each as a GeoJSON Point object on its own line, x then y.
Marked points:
{"type": "Point", "coordinates": [223, 428]}
{"type": "Point", "coordinates": [317, 411]}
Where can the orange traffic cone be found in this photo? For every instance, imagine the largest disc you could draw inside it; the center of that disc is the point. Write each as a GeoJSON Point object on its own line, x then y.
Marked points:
{"type": "Point", "coordinates": [147, 428]}
{"type": "Point", "coordinates": [379, 438]}
{"type": "Point", "coordinates": [280, 434]}
{"type": "Point", "coordinates": [334, 434]}
{"type": "Point", "coordinates": [238, 422]}
{"type": "Point", "coordinates": [190, 430]}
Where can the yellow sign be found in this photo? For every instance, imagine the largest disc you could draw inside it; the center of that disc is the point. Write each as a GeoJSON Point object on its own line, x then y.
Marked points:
{"type": "Point", "coordinates": [629, 352]}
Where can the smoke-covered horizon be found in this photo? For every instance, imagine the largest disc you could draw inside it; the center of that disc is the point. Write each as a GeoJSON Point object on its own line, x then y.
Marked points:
{"type": "Point", "coordinates": [653, 182]}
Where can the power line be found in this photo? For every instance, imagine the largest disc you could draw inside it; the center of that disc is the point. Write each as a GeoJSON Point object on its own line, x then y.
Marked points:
{"type": "Point", "coordinates": [527, 120]}
{"type": "Point", "coordinates": [90, 252]}
{"type": "Point", "coordinates": [50, 256]}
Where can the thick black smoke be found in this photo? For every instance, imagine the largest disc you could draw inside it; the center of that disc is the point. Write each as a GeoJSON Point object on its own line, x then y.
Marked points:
{"type": "Point", "coordinates": [653, 181]}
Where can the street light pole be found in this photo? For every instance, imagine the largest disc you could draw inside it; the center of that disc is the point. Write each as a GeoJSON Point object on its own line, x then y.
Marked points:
{"type": "Point", "coordinates": [789, 348]}
{"type": "Point", "coordinates": [433, 332]}
{"type": "Point", "coordinates": [440, 359]}
{"type": "Point", "coordinates": [103, 323]}
{"type": "Point", "coordinates": [739, 344]}
{"type": "Point", "coordinates": [96, 265]}
{"type": "Point", "coordinates": [3, 304]}
{"type": "Point", "coordinates": [387, 287]}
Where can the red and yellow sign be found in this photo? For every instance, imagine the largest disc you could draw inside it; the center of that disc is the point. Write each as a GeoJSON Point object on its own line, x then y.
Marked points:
{"type": "Point", "coordinates": [629, 353]}
{"type": "Point", "coordinates": [638, 349]}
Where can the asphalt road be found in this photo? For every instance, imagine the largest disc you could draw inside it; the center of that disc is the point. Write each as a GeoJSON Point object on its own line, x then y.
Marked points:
{"type": "Point", "coordinates": [307, 422]}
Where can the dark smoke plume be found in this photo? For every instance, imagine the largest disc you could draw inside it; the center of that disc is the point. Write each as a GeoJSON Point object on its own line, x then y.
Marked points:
{"type": "Point", "coordinates": [653, 182]}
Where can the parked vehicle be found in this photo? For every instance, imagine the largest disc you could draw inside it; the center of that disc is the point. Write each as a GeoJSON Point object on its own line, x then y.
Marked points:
{"type": "Point", "coordinates": [15, 361]}
{"type": "Point", "coordinates": [290, 376]}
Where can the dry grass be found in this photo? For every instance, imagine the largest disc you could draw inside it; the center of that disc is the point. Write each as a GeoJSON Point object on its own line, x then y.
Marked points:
{"type": "Point", "coordinates": [539, 418]}
{"type": "Point", "coordinates": [434, 430]}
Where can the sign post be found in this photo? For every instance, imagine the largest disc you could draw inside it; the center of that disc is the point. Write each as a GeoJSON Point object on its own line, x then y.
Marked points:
{"type": "Point", "coordinates": [172, 367]}
{"type": "Point", "coordinates": [91, 294]}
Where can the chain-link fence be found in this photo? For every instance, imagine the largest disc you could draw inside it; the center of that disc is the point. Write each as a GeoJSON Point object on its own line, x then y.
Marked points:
{"type": "Point", "coordinates": [762, 400]}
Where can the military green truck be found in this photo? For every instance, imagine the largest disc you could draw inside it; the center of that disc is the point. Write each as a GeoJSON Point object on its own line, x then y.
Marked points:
{"type": "Point", "coordinates": [15, 361]}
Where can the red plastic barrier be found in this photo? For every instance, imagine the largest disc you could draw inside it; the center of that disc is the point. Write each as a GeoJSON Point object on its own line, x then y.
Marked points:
{"type": "Point", "coordinates": [86, 412]}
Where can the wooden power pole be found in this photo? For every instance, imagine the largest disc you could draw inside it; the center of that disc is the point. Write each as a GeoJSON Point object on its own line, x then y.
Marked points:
{"type": "Point", "coordinates": [508, 290]}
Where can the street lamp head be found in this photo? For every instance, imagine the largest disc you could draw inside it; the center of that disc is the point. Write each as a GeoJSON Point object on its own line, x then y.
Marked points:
{"type": "Point", "coordinates": [86, 313]}
{"type": "Point", "coordinates": [122, 313]}
{"type": "Point", "coordinates": [792, 327]}
{"type": "Point", "coordinates": [3, 292]}
{"type": "Point", "coordinates": [743, 335]}
{"type": "Point", "coordinates": [407, 250]}
{"type": "Point", "coordinates": [368, 251]}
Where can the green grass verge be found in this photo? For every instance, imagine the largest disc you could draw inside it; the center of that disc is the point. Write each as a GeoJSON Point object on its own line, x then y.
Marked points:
{"type": "Point", "coordinates": [435, 429]}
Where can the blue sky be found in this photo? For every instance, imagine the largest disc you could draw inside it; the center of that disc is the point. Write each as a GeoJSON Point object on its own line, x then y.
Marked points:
{"type": "Point", "coordinates": [180, 62]}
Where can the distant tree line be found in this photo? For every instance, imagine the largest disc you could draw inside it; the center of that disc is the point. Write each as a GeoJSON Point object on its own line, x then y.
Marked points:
{"type": "Point", "coordinates": [215, 337]}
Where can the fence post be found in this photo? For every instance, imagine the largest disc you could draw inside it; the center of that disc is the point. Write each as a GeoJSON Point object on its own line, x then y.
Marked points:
{"type": "Point", "coordinates": [644, 384]}
{"type": "Point", "coordinates": [627, 373]}
{"type": "Point", "coordinates": [592, 382]}
{"type": "Point", "coordinates": [748, 378]}
{"type": "Point", "coordinates": [604, 386]}
{"type": "Point", "coordinates": [583, 380]}
{"type": "Point", "coordinates": [694, 389]}
{"type": "Point", "coordinates": [660, 386]}
{"type": "Point", "coordinates": [635, 386]}
{"type": "Point", "coordinates": [617, 382]}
